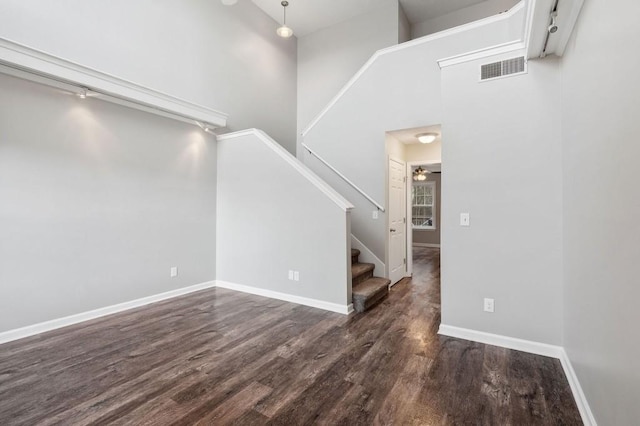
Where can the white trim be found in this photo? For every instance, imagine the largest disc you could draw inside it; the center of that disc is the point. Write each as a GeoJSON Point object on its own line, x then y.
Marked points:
{"type": "Point", "coordinates": [338, 199]}
{"type": "Point", "coordinates": [343, 177]}
{"type": "Point", "coordinates": [537, 36]}
{"type": "Point", "coordinates": [30, 330]}
{"type": "Point", "coordinates": [485, 52]}
{"type": "Point", "coordinates": [426, 39]}
{"type": "Point", "coordinates": [502, 341]}
{"type": "Point", "coordinates": [300, 300]}
{"type": "Point", "coordinates": [369, 257]}
{"type": "Point", "coordinates": [426, 244]}
{"type": "Point", "coordinates": [537, 348]}
{"type": "Point", "coordinates": [581, 401]}
{"type": "Point", "coordinates": [528, 29]}
{"type": "Point", "coordinates": [60, 72]}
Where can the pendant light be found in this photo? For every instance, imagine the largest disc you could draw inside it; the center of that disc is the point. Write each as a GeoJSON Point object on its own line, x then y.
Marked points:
{"type": "Point", "coordinates": [284, 31]}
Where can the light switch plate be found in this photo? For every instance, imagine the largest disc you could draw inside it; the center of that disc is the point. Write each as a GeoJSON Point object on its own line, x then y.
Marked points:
{"type": "Point", "coordinates": [374, 214]}
{"type": "Point", "coordinates": [464, 219]}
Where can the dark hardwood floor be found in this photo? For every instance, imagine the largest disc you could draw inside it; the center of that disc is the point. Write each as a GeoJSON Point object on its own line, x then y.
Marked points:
{"type": "Point", "coordinates": [222, 357]}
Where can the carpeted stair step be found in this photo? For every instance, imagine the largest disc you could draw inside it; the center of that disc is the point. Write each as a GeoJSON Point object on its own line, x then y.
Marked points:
{"type": "Point", "coordinates": [361, 272]}
{"type": "Point", "coordinates": [369, 292]}
{"type": "Point", "coordinates": [354, 255]}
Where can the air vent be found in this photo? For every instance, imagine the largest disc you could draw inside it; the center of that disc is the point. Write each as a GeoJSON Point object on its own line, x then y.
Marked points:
{"type": "Point", "coordinates": [502, 68]}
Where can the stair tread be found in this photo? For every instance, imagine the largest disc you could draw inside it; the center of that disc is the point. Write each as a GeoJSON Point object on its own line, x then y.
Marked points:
{"type": "Point", "coordinates": [370, 287]}
{"type": "Point", "coordinates": [358, 269]}
{"type": "Point", "coordinates": [355, 252]}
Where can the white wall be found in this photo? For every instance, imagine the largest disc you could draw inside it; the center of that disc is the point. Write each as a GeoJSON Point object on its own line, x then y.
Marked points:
{"type": "Point", "coordinates": [363, 225]}
{"type": "Point", "coordinates": [600, 103]}
{"type": "Point", "coordinates": [226, 58]}
{"type": "Point", "coordinates": [399, 90]}
{"type": "Point", "coordinates": [328, 58]}
{"type": "Point", "coordinates": [271, 219]}
{"type": "Point", "coordinates": [395, 148]}
{"type": "Point", "coordinates": [461, 16]}
{"type": "Point", "coordinates": [503, 166]}
{"type": "Point", "coordinates": [97, 203]}
{"type": "Point", "coordinates": [429, 153]}
{"type": "Point", "coordinates": [404, 26]}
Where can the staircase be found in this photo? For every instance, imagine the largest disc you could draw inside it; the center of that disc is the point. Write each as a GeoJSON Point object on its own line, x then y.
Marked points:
{"type": "Point", "coordinates": [367, 290]}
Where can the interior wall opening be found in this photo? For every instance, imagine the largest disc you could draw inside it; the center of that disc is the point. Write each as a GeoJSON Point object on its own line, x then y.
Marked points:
{"type": "Point", "coordinates": [416, 210]}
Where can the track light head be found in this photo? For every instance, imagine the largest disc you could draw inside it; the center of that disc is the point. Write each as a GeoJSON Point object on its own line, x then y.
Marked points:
{"type": "Point", "coordinates": [553, 27]}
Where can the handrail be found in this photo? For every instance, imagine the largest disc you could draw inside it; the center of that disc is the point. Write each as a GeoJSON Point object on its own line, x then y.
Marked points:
{"type": "Point", "coordinates": [324, 187]}
{"type": "Point", "coordinates": [353, 185]}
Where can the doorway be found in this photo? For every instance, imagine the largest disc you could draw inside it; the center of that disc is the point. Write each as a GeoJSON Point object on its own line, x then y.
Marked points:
{"type": "Point", "coordinates": [423, 207]}
{"type": "Point", "coordinates": [405, 148]}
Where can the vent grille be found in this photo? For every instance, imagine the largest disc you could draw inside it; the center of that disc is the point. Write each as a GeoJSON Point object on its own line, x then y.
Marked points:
{"type": "Point", "coordinates": [502, 68]}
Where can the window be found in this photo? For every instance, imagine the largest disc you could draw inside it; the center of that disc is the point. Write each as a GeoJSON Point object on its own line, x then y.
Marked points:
{"type": "Point", "coordinates": [423, 196]}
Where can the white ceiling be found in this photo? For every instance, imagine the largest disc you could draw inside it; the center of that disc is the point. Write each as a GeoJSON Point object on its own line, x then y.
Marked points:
{"type": "Point", "coordinates": [408, 136]}
{"type": "Point", "coordinates": [422, 10]}
{"type": "Point", "coordinates": [308, 16]}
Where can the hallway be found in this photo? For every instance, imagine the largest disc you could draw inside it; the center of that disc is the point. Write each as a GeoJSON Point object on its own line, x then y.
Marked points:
{"type": "Point", "coordinates": [221, 357]}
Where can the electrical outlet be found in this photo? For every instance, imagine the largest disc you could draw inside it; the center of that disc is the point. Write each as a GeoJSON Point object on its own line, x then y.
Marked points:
{"type": "Point", "coordinates": [374, 214]}
{"type": "Point", "coordinates": [296, 275]}
{"type": "Point", "coordinates": [489, 305]}
{"type": "Point", "coordinates": [173, 272]}
{"type": "Point", "coordinates": [290, 274]}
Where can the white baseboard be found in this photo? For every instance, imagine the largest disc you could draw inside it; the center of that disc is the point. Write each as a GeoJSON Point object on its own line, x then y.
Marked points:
{"type": "Point", "coordinates": [30, 330]}
{"type": "Point", "coordinates": [314, 303]}
{"type": "Point", "coordinates": [581, 401]}
{"type": "Point", "coordinates": [426, 245]}
{"type": "Point", "coordinates": [502, 341]}
{"type": "Point", "coordinates": [530, 347]}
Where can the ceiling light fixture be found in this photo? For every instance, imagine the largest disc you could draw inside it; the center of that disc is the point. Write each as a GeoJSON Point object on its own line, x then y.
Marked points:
{"type": "Point", "coordinates": [284, 31]}
{"type": "Point", "coordinates": [82, 94]}
{"type": "Point", "coordinates": [419, 174]}
{"type": "Point", "coordinates": [427, 137]}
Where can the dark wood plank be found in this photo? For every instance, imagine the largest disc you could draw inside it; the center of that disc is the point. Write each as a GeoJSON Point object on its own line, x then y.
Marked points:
{"type": "Point", "coordinates": [222, 357]}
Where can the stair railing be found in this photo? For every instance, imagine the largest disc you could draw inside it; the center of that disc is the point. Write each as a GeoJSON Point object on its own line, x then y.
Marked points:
{"type": "Point", "coordinates": [344, 178]}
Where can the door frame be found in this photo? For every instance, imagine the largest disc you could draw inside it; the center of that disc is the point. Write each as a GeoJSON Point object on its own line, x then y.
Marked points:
{"type": "Point", "coordinates": [409, 212]}
{"type": "Point", "coordinates": [388, 220]}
